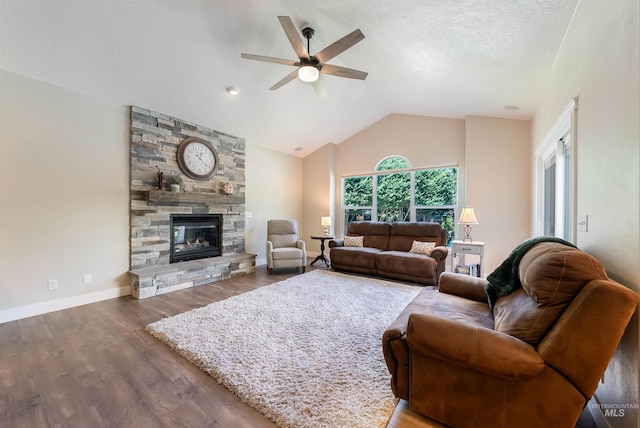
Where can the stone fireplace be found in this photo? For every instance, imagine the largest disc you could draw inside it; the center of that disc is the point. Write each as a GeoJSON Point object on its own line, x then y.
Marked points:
{"type": "Point", "coordinates": [154, 141]}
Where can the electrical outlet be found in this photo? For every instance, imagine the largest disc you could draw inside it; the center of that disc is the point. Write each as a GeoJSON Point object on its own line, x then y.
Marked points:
{"type": "Point", "coordinates": [87, 278]}
{"type": "Point", "coordinates": [53, 284]}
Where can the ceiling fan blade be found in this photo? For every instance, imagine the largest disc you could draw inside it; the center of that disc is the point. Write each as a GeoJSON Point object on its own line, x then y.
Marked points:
{"type": "Point", "coordinates": [335, 70]}
{"type": "Point", "coordinates": [319, 88]}
{"type": "Point", "coordinates": [294, 38]}
{"type": "Point", "coordinates": [288, 78]}
{"type": "Point", "coordinates": [336, 48]}
{"type": "Point", "coordinates": [270, 59]}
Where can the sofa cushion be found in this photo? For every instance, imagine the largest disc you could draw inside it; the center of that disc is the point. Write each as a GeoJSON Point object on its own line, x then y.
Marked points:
{"type": "Point", "coordinates": [420, 247]}
{"type": "Point", "coordinates": [552, 275]}
{"type": "Point", "coordinates": [286, 253]}
{"type": "Point", "coordinates": [409, 264]}
{"type": "Point", "coordinates": [353, 241]}
{"type": "Point", "coordinates": [357, 257]}
{"type": "Point", "coordinates": [376, 234]}
{"type": "Point", "coordinates": [403, 234]}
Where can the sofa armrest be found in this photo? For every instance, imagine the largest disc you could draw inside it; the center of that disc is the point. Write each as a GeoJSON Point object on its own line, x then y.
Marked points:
{"type": "Point", "coordinates": [477, 348]}
{"type": "Point", "coordinates": [466, 286]}
{"type": "Point", "coordinates": [336, 243]}
{"type": "Point", "coordinates": [440, 253]}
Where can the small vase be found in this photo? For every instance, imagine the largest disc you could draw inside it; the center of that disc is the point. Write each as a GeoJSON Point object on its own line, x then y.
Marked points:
{"type": "Point", "coordinates": [174, 187]}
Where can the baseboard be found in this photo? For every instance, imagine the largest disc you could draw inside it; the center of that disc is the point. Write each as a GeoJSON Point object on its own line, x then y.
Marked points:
{"type": "Point", "coordinates": [60, 304]}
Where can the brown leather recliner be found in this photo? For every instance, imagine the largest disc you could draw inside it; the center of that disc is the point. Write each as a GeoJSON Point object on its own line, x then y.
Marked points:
{"type": "Point", "coordinates": [533, 360]}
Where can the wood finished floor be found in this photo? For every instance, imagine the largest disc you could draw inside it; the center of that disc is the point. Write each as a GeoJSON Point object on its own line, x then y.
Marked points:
{"type": "Point", "coordinates": [95, 366]}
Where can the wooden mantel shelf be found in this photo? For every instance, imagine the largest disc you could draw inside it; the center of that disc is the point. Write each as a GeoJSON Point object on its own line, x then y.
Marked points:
{"type": "Point", "coordinates": [197, 197]}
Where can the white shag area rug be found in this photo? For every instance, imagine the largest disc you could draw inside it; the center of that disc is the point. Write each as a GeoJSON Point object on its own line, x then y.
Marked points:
{"type": "Point", "coordinates": [305, 352]}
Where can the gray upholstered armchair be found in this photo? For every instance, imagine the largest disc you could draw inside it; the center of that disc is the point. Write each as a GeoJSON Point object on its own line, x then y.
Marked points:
{"type": "Point", "coordinates": [284, 248]}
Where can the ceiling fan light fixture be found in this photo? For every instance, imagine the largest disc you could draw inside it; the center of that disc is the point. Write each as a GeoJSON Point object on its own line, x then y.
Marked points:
{"type": "Point", "coordinates": [308, 73]}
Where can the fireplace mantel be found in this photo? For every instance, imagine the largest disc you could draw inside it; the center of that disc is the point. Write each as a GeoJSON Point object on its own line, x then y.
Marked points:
{"type": "Point", "coordinates": [192, 197]}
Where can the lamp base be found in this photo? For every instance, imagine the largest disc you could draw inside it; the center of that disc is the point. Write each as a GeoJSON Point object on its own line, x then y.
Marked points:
{"type": "Point", "coordinates": [326, 230]}
{"type": "Point", "coordinates": [467, 233]}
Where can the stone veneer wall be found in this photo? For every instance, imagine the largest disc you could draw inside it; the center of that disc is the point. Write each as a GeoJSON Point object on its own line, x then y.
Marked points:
{"type": "Point", "coordinates": [154, 141]}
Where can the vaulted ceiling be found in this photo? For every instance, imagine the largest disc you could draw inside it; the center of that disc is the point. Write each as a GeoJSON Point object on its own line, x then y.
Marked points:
{"type": "Point", "coordinates": [445, 58]}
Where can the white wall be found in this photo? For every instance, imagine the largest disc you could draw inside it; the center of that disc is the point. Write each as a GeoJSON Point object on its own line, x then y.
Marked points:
{"type": "Point", "coordinates": [65, 202]}
{"type": "Point", "coordinates": [599, 62]}
{"type": "Point", "coordinates": [498, 153]}
{"type": "Point", "coordinates": [424, 141]}
{"type": "Point", "coordinates": [274, 190]}
{"type": "Point", "coordinates": [318, 194]}
{"type": "Point", "coordinates": [493, 157]}
{"type": "Point", "coordinates": [64, 165]}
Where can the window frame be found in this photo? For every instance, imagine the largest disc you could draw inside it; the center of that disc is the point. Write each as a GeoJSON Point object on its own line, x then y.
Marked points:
{"type": "Point", "coordinates": [559, 142]}
{"type": "Point", "coordinates": [412, 206]}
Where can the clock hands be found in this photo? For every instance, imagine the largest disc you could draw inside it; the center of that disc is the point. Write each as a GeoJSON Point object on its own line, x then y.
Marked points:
{"type": "Point", "coordinates": [200, 158]}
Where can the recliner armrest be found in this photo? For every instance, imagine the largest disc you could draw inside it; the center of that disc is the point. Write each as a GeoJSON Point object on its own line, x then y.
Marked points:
{"type": "Point", "coordinates": [469, 287]}
{"type": "Point", "coordinates": [336, 243]}
{"type": "Point", "coordinates": [440, 253]}
{"type": "Point", "coordinates": [477, 348]}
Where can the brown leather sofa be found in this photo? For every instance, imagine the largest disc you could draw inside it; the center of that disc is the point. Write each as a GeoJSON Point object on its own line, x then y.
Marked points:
{"type": "Point", "coordinates": [533, 361]}
{"type": "Point", "coordinates": [385, 251]}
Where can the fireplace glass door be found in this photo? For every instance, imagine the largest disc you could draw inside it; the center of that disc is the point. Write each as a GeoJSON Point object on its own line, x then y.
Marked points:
{"type": "Point", "coordinates": [195, 236]}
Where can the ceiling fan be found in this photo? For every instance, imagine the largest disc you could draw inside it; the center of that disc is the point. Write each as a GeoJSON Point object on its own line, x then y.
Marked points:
{"type": "Point", "coordinates": [309, 67]}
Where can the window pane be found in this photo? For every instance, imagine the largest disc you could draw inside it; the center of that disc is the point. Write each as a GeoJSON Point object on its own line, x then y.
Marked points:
{"type": "Point", "coordinates": [436, 186]}
{"type": "Point", "coordinates": [567, 192]}
{"type": "Point", "coordinates": [356, 214]}
{"type": "Point", "coordinates": [444, 216]}
{"type": "Point", "coordinates": [393, 163]}
{"type": "Point", "coordinates": [358, 191]}
{"type": "Point", "coordinates": [394, 196]}
{"type": "Point", "coordinates": [549, 197]}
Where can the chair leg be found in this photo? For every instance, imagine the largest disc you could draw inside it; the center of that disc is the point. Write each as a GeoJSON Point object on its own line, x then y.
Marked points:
{"type": "Point", "coordinates": [304, 269]}
{"type": "Point", "coordinates": [270, 271]}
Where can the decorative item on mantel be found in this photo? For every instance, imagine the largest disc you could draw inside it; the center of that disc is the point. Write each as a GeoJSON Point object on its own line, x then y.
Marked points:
{"type": "Point", "coordinates": [227, 189]}
{"type": "Point", "coordinates": [159, 178]}
{"type": "Point", "coordinates": [175, 181]}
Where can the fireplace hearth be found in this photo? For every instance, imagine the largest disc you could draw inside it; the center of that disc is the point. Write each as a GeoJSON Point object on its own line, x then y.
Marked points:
{"type": "Point", "coordinates": [195, 236]}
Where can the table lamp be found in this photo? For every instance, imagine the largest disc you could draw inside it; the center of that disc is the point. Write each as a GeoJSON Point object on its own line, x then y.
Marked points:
{"type": "Point", "coordinates": [326, 222]}
{"type": "Point", "coordinates": [468, 217]}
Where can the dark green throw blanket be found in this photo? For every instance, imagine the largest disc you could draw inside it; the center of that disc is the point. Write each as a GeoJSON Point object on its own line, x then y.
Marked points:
{"type": "Point", "coordinates": [504, 280]}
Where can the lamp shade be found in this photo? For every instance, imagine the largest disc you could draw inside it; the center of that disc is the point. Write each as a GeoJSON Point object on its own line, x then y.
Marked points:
{"type": "Point", "coordinates": [326, 221]}
{"type": "Point", "coordinates": [468, 216]}
{"type": "Point", "coordinates": [308, 73]}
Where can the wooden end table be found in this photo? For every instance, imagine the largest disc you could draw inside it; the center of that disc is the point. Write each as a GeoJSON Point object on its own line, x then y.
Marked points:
{"type": "Point", "coordinates": [322, 257]}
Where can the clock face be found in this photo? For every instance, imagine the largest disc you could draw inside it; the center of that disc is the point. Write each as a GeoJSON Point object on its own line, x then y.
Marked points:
{"type": "Point", "coordinates": [197, 158]}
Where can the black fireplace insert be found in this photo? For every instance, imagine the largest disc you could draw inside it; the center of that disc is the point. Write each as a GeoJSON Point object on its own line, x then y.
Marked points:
{"type": "Point", "coordinates": [195, 236]}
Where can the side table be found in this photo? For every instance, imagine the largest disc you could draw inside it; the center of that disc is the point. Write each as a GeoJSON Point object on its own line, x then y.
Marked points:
{"type": "Point", "coordinates": [464, 248]}
{"type": "Point", "coordinates": [322, 257]}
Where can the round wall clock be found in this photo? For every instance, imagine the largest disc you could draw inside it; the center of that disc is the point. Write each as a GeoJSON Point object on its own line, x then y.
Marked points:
{"type": "Point", "coordinates": [197, 158]}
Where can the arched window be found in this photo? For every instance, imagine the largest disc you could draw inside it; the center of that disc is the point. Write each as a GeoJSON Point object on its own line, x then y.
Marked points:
{"type": "Point", "coordinates": [395, 191]}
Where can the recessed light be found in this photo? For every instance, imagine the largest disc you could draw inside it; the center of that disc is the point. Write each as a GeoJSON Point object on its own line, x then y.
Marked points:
{"type": "Point", "coordinates": [512, 108]}
{"type": "Point", "coordinates": [233, 90]}
{"type": "Point", "coordinates": [297, 149]}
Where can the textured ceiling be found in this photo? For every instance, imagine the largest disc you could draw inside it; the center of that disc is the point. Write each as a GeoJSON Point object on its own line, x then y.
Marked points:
{"type": "Point", "coordinates": [446, 58]}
